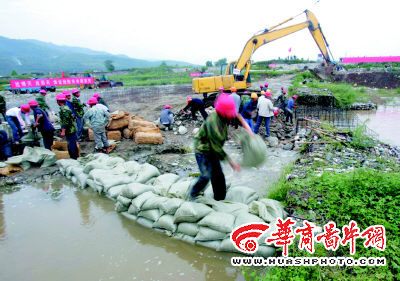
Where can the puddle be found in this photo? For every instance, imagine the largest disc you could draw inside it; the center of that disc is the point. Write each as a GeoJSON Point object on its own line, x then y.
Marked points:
{"type": "Point", "coordinates": [57, 232]}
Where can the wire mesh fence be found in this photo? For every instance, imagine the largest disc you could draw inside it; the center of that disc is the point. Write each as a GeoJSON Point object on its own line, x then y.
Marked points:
{"type": "Point", "coordinates": [341, 118]}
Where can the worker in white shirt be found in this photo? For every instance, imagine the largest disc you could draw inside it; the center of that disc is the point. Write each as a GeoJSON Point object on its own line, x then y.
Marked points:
{"type": "Point", "coordinates": [265, 112]}
{"type": "Point", "coordinates": [18, 119]}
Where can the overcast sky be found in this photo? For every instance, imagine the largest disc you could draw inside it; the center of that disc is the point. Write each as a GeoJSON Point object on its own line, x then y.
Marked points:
{"type": "Point", "coordinates": [197, 31]}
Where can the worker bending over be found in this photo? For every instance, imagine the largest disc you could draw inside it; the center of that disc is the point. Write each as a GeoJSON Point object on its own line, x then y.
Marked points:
{"type": "Point", "coordinates": [43, 124]}
{"type": "Point", "coordinates": [196, 105]}
{"type": "Point", "coordinates": [166, 117]}
{"type": "Point", "coordinates": [18, 119]}
{"type": "Point", "coordinates": [68, 126]}
{"type": "Point", "coordinates": [249, 110]}
{"type": "Point", "coordinates": [208, 145]}
{"type": "Point", "coordinates": [98, 118]}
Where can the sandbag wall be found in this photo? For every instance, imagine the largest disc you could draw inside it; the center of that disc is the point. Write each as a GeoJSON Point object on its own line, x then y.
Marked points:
{"type": "Point", "coordinates": [129, 126]}
{"type": "Point", "coordinates": [158, 201]}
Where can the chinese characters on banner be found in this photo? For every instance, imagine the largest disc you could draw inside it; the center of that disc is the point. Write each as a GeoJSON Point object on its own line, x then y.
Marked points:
{"type": "Point", "coordinates": [17, 84]}
{"type": "Point", "coordinates": [245, 237]}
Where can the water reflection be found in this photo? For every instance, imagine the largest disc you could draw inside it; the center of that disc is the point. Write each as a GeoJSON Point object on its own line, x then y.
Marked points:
{"type": "Point", "coordinates": [2, 219]}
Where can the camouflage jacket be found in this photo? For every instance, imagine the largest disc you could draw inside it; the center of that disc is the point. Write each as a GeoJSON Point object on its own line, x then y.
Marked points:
{"type": "Point", "coordinates": [67, 120]}
{"type": "Point", "coordinates": [102, 101]}
{"type": "Point", "coordinates": [211, 137]}
{"type": "Point", "coordinates": [41, 100]}
{"type": "Point", "coordinates": [78, 107]}
{"type": "Point", "coordinates": [2, 104]}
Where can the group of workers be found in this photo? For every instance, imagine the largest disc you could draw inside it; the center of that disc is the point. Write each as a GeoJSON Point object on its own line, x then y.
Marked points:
{"type": "Point", "coordinates": [72, 115]}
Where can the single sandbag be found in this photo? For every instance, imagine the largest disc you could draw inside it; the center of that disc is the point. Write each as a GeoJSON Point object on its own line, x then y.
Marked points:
{"type": "Point", "coordinates": [208, 234]}
{"type": "Point", "coordinates": [254, 150]}
{"type": "Point", "coordinates": [232, 208]}
{"type": "Point", "coordinates": [91, 184]}
{"type": "Point", "coordinates": [139, 201]}
{"type": "Point", "coordinates": [82, 180]}
{"type": "Point", "coordinates": [191, 212]}
{"type": "Point", "coordinates": [124, 200]}
{"type": "Point", "coordinates": [115, 191]}
{"type": "Point", "coordinates": [146, 172]}
{"type": "Point", "coordinates": [118, 114]}
{"type": "Point", "coordinates": [66, 163]}
{"type": "Point", "coordinates": [188, 228]}
{"type": "Point", "coordinates": [133, 210]}
{"type": "Point", "coordinates": [210, 244]}
{"type": "Point", "coordinates": [117, 124]}
{"type": "Point", "coordinates": [133, 190]}
{"type": "Point", "coordinates": [145, 222]}
{"type": "Point", "coordinates": [153, 215]}
{"type": "Point", "coordinates": [153, 203]}
{"type": "Point", "coordinates": [227, 246]}
{"type": "Point", "coordinates": [166, 222]}
{"type": "Point", "coordinates": [163, 182]}
{"type": "Point", "coordinates": [127, 133]}
{"type": "Point", "coordinates": [108, 181]}
{"type": "Point", "coordinates": [267, 209]}
{"type": "Point", "coordinates": [119, 207]}
{"type": "Point", "coordinates": [180, 189]}
{"type": "Point", "coordinates": [241, 194]}
{"type": "Point", "coordinates": [170, 205]}
{"type": "Point", "coordinates": [246, 218]}
{"type": "Point", "coordinates": [183, 237]}
{"type": "Point", "coordinates": [150, 182]}
{"type": "Point", "coordinates": [129, 167]}
{"type": "Point", "coordinates": [148, 138]}
{"type": "Point", "coordinates": [114, 135]}
{"type": "Point", "coordinates": [219, 221]}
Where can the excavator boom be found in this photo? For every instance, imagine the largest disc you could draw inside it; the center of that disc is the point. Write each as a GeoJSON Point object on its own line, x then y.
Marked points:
{"type": "Point", "coordinates": [241, 82]}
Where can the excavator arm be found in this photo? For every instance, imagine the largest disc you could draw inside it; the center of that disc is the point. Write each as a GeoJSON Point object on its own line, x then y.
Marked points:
{"type": "Point", "coordinates": [237, 72]}
{"type": "Point", "coordinates": [272, 34]}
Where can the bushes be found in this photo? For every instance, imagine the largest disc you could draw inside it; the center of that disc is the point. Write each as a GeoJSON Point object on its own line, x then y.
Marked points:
{"type": "Point", "coordinates": [367, 196]}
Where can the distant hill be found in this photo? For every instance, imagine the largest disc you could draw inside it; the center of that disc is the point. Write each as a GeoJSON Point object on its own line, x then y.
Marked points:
{"type": "Point", "coordinates": [30, 55]}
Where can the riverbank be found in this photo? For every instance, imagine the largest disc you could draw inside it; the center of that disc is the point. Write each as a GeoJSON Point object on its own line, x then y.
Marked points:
{"type": "Point", "coordinates": [340, 182]}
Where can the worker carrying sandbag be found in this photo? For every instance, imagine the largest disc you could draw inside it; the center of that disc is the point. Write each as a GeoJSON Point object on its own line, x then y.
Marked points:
{"type": "Point", "coordinates": [68, 126]}
{"type": "Point", "coordinates": [195, 105]}
{"type": "Point", "coordinates": [18, 119]}
{"type": "Point", "coordinates": [43, 124]}
{"type": "Point", "coordinates": [208, 145]}
{"type": "Point", "coordinates": [98, 118]}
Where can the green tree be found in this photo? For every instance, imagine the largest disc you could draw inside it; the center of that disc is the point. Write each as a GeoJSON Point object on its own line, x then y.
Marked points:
{"type": "Point", "coordinates": [203, 69]}
{"type": "Point", "coordinates": [14, 73]}
{"type": "Point", "coordinates": [209, 63]}
{"type": "Point", "coordinates": [220, 62]}
{"type": "Point", "coordinates": [109, 65]}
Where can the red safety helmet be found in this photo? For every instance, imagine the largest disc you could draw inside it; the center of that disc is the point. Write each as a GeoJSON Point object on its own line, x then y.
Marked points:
{"type": "Point", "coordinates": [33, 103]}
{"type": "Point", "coordinates": [25, 108]}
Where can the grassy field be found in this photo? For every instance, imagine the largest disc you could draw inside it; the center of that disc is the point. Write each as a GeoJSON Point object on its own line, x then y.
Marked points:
{"type": "Point", "coordinates": [345, 94]}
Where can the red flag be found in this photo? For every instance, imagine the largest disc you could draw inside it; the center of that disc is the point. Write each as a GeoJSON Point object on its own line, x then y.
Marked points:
{"type": "Point", "coordinates": [290, 49]}
{"type": "Point", "coordinates": [62, 74]}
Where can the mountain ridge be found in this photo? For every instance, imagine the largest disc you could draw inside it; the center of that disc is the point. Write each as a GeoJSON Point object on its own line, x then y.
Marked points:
{"type": "Point", "coordinates": [31, 55]}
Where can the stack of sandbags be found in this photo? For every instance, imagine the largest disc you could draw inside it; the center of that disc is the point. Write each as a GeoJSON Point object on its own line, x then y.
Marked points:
{"type": "Point", "coordinates": [60, 148]}
{"type": "Point", "coordinates": [159, 202]}
{"type": "Point", "coordinates": [38, 156]}
{"type": "Point", "coordinates": [144, 131]}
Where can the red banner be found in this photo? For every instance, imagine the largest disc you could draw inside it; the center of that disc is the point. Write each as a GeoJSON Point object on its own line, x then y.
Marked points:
{"type": "Point", "coordinates": [370, 59]}
{"type": "Point", "coordinates": [32, 83]}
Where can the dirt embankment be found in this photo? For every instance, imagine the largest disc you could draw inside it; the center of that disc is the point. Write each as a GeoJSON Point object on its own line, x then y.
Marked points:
{"type": "Point", "coordinates": [389, 80]}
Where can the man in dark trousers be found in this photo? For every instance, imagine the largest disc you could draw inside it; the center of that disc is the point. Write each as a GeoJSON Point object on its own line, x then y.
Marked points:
{"type": "Point", "coordinates": [43, 124]}
{"type": "Point", "coordinates": [196, 105]}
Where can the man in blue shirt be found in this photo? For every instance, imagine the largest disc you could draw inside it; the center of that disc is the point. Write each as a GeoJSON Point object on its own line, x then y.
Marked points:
{"type": "Point", "coordinates": [43, 124]}
{"type": "Point", "coordinates": [249, 110]}
{"type": "Point", "coordinates": [289, 109]}
{"type": "Point", "coordinates": [166, 117]}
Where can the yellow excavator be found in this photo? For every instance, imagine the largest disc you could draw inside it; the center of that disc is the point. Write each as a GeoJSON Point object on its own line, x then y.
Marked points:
{"type": "Point", "coordinates": [237, 72]}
